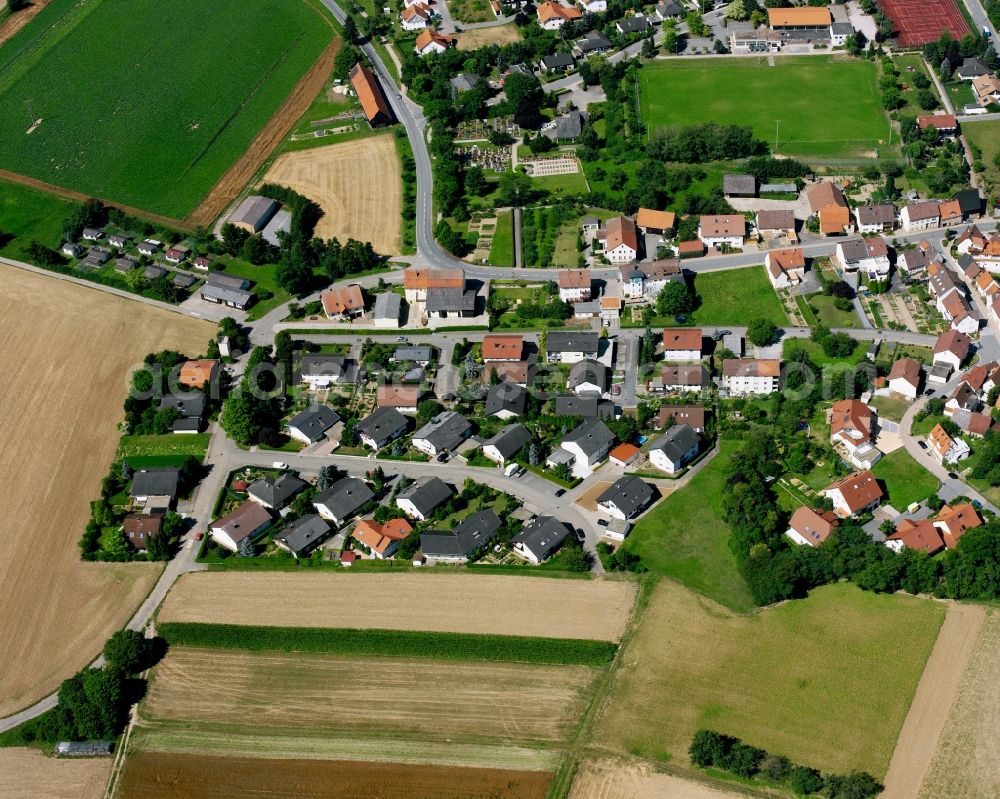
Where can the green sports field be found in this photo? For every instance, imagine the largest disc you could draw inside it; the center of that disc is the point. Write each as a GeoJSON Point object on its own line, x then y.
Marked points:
{"type": "Point", "coordinates": [829, 106]}
{"type": "Point", "coordinates": [148, 103]}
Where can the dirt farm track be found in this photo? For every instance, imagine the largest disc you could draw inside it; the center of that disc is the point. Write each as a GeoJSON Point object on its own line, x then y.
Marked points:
{"type": "Point", "coordinates": [68, 351]}
{"type": "Point", "coordinates": [501, 605]}
{"type": "Point", "coordinates": [356, 183]}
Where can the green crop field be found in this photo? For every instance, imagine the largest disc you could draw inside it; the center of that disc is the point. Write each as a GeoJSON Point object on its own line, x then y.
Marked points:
{"type": "Point", "coordinates": [807, 95]}
{"type": "Point", "coordinates": [148, 103]}
{"type": "Point", "coordinates": [27, 214]}
{"type": "Point", "coordinates": [801, 679]}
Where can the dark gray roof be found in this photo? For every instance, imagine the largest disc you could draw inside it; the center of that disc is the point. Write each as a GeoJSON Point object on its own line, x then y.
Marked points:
{"type": "Point", "coordinates": [276, 492]}
{"type": "Point", "coordinates": [560, 341]}
{"type": "Point", "coordinates": [426, 494]}
{"type": "Point", "coordinates": [125, 264]}
{"type": "Point", "coordinates": [153, 272]}
{"type": "Point", "coordinates": [670, 8]}
{"type": "Point", "coordinates": [445, 431]}
{"type": "Point", "coordinates": [314, 421]}
{"type": "Point", "coordinates": [570, 125]}
{"type": "Point", "coordinates": [419, 354]}
{"type": "Point", "coordinates": [453, 300]}
{"type": "Point", "coordinates": [388, 305]}
{"type": "Point", "coordinates": [558, 61]}
{"type": "Point", "coordinates": [510, 440]}
{"type": "Point", "coordinates": [183, 280]}
{"type": "Point", "coordinates": [969, 201]}
{"type": "Point", "coordinates": [572, 405]}
{"type": "Point", "coordinates": [676, 442]}
{"type": "Point", "coordinates": [464, 81]}
{"type": "Point", "coordinates": [304, 534]}
{"type": "Point", "coordinates": [739, 184]}
{"type": "Point", "coordinates": [381, 424]}
{"type": "Point", "coordinates": [592, 436]}
{"type": "Point", "coordinates": [228, 281]}
{"type": "Point", "coordinates": [155, 482]}
{"type": "Point", "coordinates": [595, 40]}
{"type": "Point", "coordinates": [506, 397]}
{"type": "Point", "coordinates": [236, 296]}
{"type": "Point", "coordinates": [337, 367]}
{"type": "Point", "coordinates": [633, 24]}
{"type": "Point", "coordinates": [543, 536]}
{"type": "Point", "coordinates": [189, 406]}
{"type": "Point", "coordinates": [190, 425]}
{"type": "Point", "coordinates": [588, 371]}
{"type": "Point", "coordinates": [476, 531]}
{"type": "Point", "coordinates": [841, 29]}
{"type": "Point", "coordinates": [629, 494]}
{"type": "Point", "coordinates": [972, 68]}
{"type": "Point", "coordinates": [345, 497]}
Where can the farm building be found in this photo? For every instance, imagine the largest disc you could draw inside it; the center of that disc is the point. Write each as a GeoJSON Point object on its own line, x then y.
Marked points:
{"type": "Point", "coordinates": [370, 94]}
{"type": "Point", "coordinates": [253, 214]}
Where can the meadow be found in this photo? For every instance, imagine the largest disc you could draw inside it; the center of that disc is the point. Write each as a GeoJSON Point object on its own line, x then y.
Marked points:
{"type": "Point", "coordinates": [692, 546]}
{"type": "Point", "coordinates": [154, 120]}
{"type": "Point", "coordinates": [826, 681]}
{"type": "Point", "coordinates": [735, 297]}
{"type": "Point", "coordinates": [27, 214]}
{"type": "Point", "coordinates": [904, 479]}
{"type": "Point", "coordinates": [805, 94]}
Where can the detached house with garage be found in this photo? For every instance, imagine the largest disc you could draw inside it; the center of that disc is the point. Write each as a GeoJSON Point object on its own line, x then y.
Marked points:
{"type": "Point", "coordinates": [588, 445]}
{"type": "Point", "coordinates": [672, 451]}
{"type": "Point", "coordinates": [951, 349]}
{"type": "Point", "coordinates": [382, 540]}
{"type": "Point", "coordinates": [381, 427]}
{"type": "Point", "coordinates": [422, 497]}
{"type": "Point", "coordinates": [945, 448]}
{"type": "Point", "coordinates": [430, 41]}
{"type": "Point", "coordinates": [571, 347]}
{"type": "Point", "coordinates": [310, 425]}
{"type": "Point", "coordinates": [463, 541]}
{"type": "Point", "coordinates": [904, 378]}
{"type": "Point", "coordinates": [723, 230]}
{"type": "Point", "coordinates": [343, 499]}
{"type": "Point", "coordinates": [246, 522]}
{"type": "Point", "coordinates": [444, 433]}
{"type": "Point", "coordinates": [503, 348]}
{"type": "Point", "coordinates": [809, 528]}
{"type": "Point", "coordinates": [682, 344]}
{"type": "Point", "coordinates": [303, 535]}
{"type": "Point", "coordinates": [785, 268]}
{"type": "Point", "coordinates": [505, 445]}
{"type": "Point", "coordinates": [540, 539]}
{"type": "Point", "coordinates": [275, 493]}
{"type": "Point", "coordinates": [552, 15]}
{"type": "Point", "coordinates": [870, 256]}
{"type": "Point", "coordinates": [852, 433]}
{"type": "Point", "coordinates": [626, 498]}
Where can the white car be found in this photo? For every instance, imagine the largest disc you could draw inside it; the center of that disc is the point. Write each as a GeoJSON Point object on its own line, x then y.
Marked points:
{"type": "Point", "coordinates": [279, 465]}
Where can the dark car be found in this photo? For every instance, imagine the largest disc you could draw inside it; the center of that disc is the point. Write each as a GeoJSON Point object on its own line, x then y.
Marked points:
{"type": "Point", "coordinates": [952, 475]}
{"type": "Point", "coordinates": [922, 444]}
{"type": "Point", "coordinates": [602, 522]}
{"type": "Point", "coordinates": [560, 492]}
{"type": "Point", "coordinates": [929, 392]}
{"type": "Point", "coordinates": [581, 536]}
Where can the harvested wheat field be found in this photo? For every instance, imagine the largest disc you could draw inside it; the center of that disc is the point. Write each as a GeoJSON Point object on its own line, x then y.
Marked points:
{"type": "Point", "coordinates": [481, 37]}
{"type": "Point", "coordinates": [795, 679]}
{"type": "Point", "coordinates": [325, 694]}
{"type": "Point", "coordinates": [68, 351]}
{"type": "Point", "coordinates": [967, 762]}
{"type": "Point", "coordinates": [28, 774]}
{"type": "Point", "coordinates": [609, 779]}
{"type": "Point", "coordinates": [936, 694]}
{"type": "Point", "coordinates": [458, 603]}
{"type": "Point", "coordinates": [154, 775]}
{"type": "Point", "coordinates": [358, 184]}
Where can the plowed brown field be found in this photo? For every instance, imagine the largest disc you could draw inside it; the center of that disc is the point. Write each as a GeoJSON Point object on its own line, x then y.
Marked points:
{"type": "Point", "coordinates": [28, 774]}
{"type": "Point", "coordinates": [66, 356]}
{"type": "Point", "coordinates": [358, 184]}
{"type": "Point", "coordinates": [502, 605]}
{"type": "Point", "coordinates": [153, 775]}
{"type": "Point", "coordinates": [323, 694]}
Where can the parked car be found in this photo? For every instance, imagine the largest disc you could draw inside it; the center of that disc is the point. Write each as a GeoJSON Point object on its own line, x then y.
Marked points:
{"type": "Point", "coordinates": [401, 338]}
{"type": "Point", "coordinates": [977, 504]}
{"type": "Point", "coordinates": [952, 475]}
{"type": "Point", "coordinates": [922, 444]}
{"type": "Point", "coordinates": [560, 492]}
{"type": "Point", "coordinates": [581, 536]}
{"type": "Point", "coordinates": [602, 522]}
{"type": "Point", "coordinates": [929, 392]}
{"type": "Point", "coordinates": [279, 465]}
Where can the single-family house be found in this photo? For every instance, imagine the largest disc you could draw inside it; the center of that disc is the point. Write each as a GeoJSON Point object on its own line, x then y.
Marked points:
{"type": "Point", "coordinates": [246, 522]}
{"type": "Point", "coordinates": [920, 215]}
{"type": "Point", "coordinates": [779, 224]}
{"type": "Point", "coordinates": [904, 378]}
{"type": "Point", "coordinates": [585, 407]}
{"type": "Point", "coordinates": [741, 376]}
{"type": "Point", "coordinates": [673, 450]}
{"type": "Point", "coordinates": [626, 498]}
{"type": "Point", "coordinates": [854, 494]}
{"type": "Point", "coordinates": [574, 285]}
{"type": "Point", "coordinates": [557, 62]}
{"type": "Point", "coordinates": [324, 371]}
{"type": "Point", "coordinates": [233, 298]}
{"type": "Point", "coordinates": [311, 424]}
{"type": "Point", "coordinates": [343, 499]}
{"type": "Point", "coordinates": [403, 398]}
{"type": "Point", "coordinates": [589, 444]}
{"type": "Point", "coordinates": [588, 377]}
{"type": "Point", "coordinates": [416, 17]}
{"type": "Point", "coordinates": [139, 528]}
{"type": "Point", "coordinates": [915, 262]}
{"type": "Point", "coordinates": [593, 43]}
{"type": "Point", "coordinates": [570, 347]}
{"type": "Point", "coordinates": [421, 498]}
{"type": "Point", "coordinates": [502, 348]}
{"type": "Point", "coordinates": [275, 492]}
{"type": "Point", "coordinates": [506, 400]}
{"type": "Point", "coordinates": [870, 256]}
{"type": "Point", "coordinates": [785, 268]}
{"type": "Point", "coordinates": [974, 424]}
{"type": "Point", "coordinates": [444, 433]}
{"type": "Point", "coordinates": [539, 539]}
{"type": "Point", "coordinates": [190, 408]}
{"type": "Point", "coordinates": [691, 415]}
{"type": "Point", "coordinates": [946, 449]}
{"type": "Point", "coordinates": [621, 240]}
{"type": "Point", "coordinates": [970, 69]}
{"type": "Point", "coordinates": [809, 528]}
{"type": "Point", "coordinates": [628, 25]}
{"type": "Point", "coordinates": [875, 218]}
{"type": "Point", "coordinates": [962, 398]}
{"type": "Point", "coordinates": [505, 445]}
{"type": "Point", "coordinates": [553, 15]}
{"type": "Point", "coordinates": [722, 230]}
{"type": "Point", "coordinates": [852, 433]}
{"type": "Point", "coordinates": [382, 540]}
{"type": "Point", "coordinates": [950, 212]}
{"type": "Point", "coordinates": [682, 344]}
{"type": "Point", "coordinates": [661, 223]}
{"type": "Point", "coordinates": [461, 543]}
{"type": "Point", "coordinates": [155, 486]}
{"type": "Point", "coordinates": [986, 89]}
{"type": "Point", "coordinates": [679, 378]}
{"type": "Point", "coordinates": [430, 41]}
{"type": "Point", "coordinates": [71, 250]}
{"type": "Point", "coordinates": [345, 302]}
{"type": "Point", "coordinates": [946, 125]}
{"type": "Point", "coordinates": [382, 426]}
{"type": "Point", "coordinates": [198, 373]}
{"type": "Point", "coordinates": [303, 535]}
{"type": "Point", "coordinates": [93, 234]}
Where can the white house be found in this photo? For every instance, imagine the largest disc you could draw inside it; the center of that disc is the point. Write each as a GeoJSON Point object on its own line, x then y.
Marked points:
{"type": "Point", "coordinates": [809, 528]}
{"type": "Point", "coordinates": [444, 433]}
{"type": "Point", "coordinates": [430, 41]}
{"type": "Point", "coordinates": [945, 448]}
{"type": "Point", "coordinates": [589, 445]}
{"type": "Point", "coordinates": [854, 494]}
{"type": "Point", "coordinates": [420, 499]}
{"type": "Point", "coordinates": [951, 349]}
{"type": "Point", "coordinates": [682, 344]}
{"type": "Point", "coordinates": [722, 230]}
{"type": "Point", "coordinates": [742, 376]}
{"type": "Point", "coordinates": [626, 498]}
{"type": "Point", "coordinates": [920, 216]}
{"type": "Point", "coordinates": [247, 521]}
{"type": "Point", "coordinates": [621, 240]}
{"type": "Point", "coordinates": [574, 285]}
{"type": "Point", "coordinates": [552, 15]}
{"type": "Point", "coordinates": [571, 347]}
{"type": "Point", "coordinates": [505, 445]}
{"type": "Point", "coordinates": [672, 451]}
{"type": "Point", "coordinates": [594, 6]}
{"type": "Point", "coordinates": [904, 378]}
{"type": "Point", "coordinates": [539, 539]}
{"type": "Point", "coordinates": [785, 268]}
{"type": "Point", "coordinates": [343, 499]}
{"type": "Point", "coordinates": [868, 255]}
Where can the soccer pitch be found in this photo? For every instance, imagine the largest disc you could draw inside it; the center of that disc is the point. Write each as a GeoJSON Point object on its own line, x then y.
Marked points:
{"type": "Point", "coordinates": [148, 103]}
{"type": "Point", "coordinates": [820, 106]}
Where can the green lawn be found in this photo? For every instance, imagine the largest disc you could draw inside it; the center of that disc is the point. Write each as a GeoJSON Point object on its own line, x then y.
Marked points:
{"type": "Point", "coordinates": [148, 103]}
{"type": "Point", "coordinates": [264, 282]}
{"type": "Point", "coordinates": [830, 315]}
{"type": "Point", "coordinates": [805, 94]}
{"type": "Point", "coordinates": [816, 354]}
{"type": "Point", "coordinates": [26, 214]}
{"type": "Point", "coordinates": [889, 408]}
{"type": "Point", "coordinates": [685, 538]}
{"type": "Point", "coordinates": [985, 136]}
{"type": "Point", "coordinates": [502, 249]}
{"type": "Point", "coordinates": [904, 479]}
{"type": "Point", "coordinates": [735, 297]}
{"type": "Point", "coordinates": [169, 444]}
{"type": "Point", "coordinates": [575, 183]}
{"type": "Point", "coordinates": [802, 679]}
